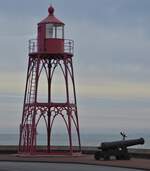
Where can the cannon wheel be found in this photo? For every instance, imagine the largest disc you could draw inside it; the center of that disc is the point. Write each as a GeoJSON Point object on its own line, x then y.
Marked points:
{"type": "Point", "coordinates": [123, 157]}
{"type": "Point", "coordinates": [126, 156]}
{"type": "Point", "coordinates": [106, 157]}
{"type": "Point", "coordinates": [97, 155]}
{"type": "Point", "coordinates": [118, 157]}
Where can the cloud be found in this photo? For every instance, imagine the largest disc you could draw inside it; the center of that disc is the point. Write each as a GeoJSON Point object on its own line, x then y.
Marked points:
{"type": "Point", "coordinates": [115, 90]}
{"type": "Point", "coordinates": [111, 53]}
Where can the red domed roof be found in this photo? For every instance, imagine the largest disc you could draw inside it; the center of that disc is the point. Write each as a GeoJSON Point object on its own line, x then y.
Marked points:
{"type": "Point", "coordinates": [51, 18]}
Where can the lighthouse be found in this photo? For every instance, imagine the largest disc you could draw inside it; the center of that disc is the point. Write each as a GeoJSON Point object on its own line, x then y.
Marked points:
{"type": "Point", "coordinates": [47, 53]}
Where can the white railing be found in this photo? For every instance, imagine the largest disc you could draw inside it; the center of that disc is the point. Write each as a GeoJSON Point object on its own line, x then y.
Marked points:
{"type": "Point", "coordinates": [68, 46]}
{"type": "Point", "coordinates": [33, 46]}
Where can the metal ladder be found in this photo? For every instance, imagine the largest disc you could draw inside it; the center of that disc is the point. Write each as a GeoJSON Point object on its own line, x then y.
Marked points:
{"type": "Point", "coordinates": [32, 85]}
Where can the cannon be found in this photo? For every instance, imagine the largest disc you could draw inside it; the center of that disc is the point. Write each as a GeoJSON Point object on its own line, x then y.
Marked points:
{"type": "Point", "coordinates": [117, 149]}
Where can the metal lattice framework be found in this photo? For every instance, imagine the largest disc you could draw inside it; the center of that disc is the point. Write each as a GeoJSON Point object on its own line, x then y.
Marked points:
{"type": "Point", "coordinates": [33, 111]}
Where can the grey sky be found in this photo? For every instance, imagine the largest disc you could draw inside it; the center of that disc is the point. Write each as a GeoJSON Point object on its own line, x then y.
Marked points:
{"type": "Point", "coordinates": [112, 48]}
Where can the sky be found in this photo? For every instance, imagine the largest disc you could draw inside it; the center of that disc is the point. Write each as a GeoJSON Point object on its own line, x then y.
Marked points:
{"type": "Point", "coordinates": [111, 61]}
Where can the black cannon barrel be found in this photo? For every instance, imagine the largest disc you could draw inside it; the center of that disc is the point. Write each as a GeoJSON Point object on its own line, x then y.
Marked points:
{"type": "Point", "coordinates": [121, 144]}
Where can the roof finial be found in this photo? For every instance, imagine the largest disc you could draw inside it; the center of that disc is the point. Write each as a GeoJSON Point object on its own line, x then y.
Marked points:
{"type": "Point", "coordinates": [51, 10]}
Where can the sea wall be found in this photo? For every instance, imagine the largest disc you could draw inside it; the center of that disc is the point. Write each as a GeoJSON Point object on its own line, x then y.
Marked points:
{"type": "Point", "coordinates": [137, 153]}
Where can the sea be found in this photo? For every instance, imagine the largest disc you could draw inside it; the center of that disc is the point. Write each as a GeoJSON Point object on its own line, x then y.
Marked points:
{"type": "Point", "coordinates": [91, 139]}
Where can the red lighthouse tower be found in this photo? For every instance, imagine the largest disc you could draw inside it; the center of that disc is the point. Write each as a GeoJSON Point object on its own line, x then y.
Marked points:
{"type": "Point", "coordinates": [49, 52]}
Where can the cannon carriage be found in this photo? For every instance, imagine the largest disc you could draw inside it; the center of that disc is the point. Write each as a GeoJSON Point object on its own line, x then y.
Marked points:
{"type": "Point", "coordinates": [117, 149]}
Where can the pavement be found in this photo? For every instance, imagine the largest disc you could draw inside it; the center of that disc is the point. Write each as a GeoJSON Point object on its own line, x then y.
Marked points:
{"type": "Point", "coordinates": [22, 166]}
{"type": "Point", "coordinates": [143, 164]}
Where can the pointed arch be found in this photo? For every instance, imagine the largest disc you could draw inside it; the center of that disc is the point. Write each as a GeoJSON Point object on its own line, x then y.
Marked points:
{"type": "Point", "coordinates": [58, 89]}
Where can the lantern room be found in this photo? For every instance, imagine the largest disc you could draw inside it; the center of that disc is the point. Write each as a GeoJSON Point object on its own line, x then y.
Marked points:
{"type": "Point", "coordinates": [50, 37]}
{"type": "Point", "coordinates": [51, 34]}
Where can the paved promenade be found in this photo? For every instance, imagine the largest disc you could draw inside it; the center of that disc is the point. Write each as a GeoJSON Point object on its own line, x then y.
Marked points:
{"type": "Point", "coordinates": [143, 164]}
{"type": "Point", "coordinates": [22, 166]}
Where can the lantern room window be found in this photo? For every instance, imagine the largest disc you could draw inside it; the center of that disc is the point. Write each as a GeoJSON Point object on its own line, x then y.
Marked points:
{"type": "Point", "coordinates": [49, 31]}
{"type": "Point", "coordinates": [54, 31]}
{"type": "Point", "coordinates": [60, 32]}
